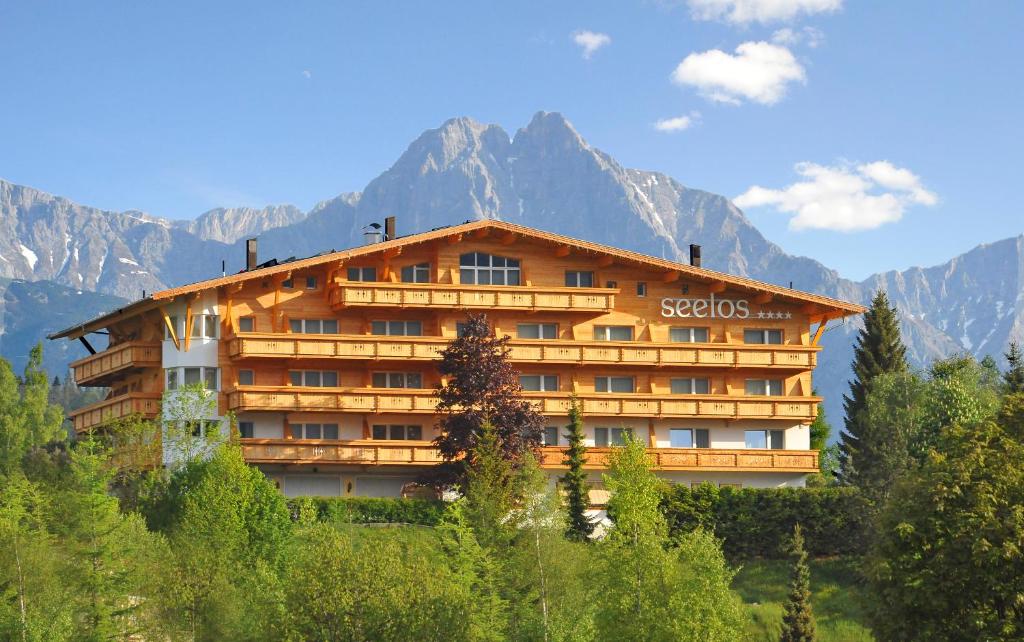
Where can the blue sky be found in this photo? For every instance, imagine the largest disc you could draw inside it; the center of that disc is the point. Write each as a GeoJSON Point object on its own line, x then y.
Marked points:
{"type": "Point", "coordinates": [901, 121]}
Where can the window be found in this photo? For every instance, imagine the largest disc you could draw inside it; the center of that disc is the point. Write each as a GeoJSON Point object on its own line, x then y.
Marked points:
{"type": "Point", "coordinates": [313, 326]}
{"type": "Point", "coordinates": [310, 282]}
{"type": "Point", "coordinates": [174, 324]}
{"type": "Point", "coordinates": [611, 436]}
{"type": "Point", "coordinates": [537, 331]}
{"type": "Point", "coordinates": [419, 273]}
{"type": "Point", "coordinates": [202, 428]}
{"type": "Point", "coordinates": [579, 279]}
{"type": "Point", "coordinates": [690, 386]}
{"type": "Point", "coordinates": [313, 378]}
{"type": "Point", "coordinates": [611, 284]}
{"type": "Point", "coordinates": [246, 429]}
{"type": "Point", "coordinates": [539, 383]}
{"type": "Point", "coordinates": [362, 274]}
{"type": "Point", "coordinates": [762, 336]}
{"type": "Point", "coordinates": [288, 284]}
{"type": "Point", "coordinates": [551, 436]}
{"type": "Point", "coordinates": [773, 439]}
{"type": "Point", "coordinates": [641, 288]}
{"type": "Point", "coordinates": [177, 377]}
{"type": "Point", "coordinates": [413, 433]}
{"type": "Point", "coordinates": [314, 431]}
{"type": "Point", "coordinates": [614, 384]}
{"type": "Point", "coordinates": [478, 268]}
{"type": "Point", "coordinates": [246, 377]}
{"type": "Point", "coordinates": [398, 328]}
{"type": "Point", "coordinates": [613, 333]}
{"type": "Point", "coordinates": [769, 387]}
{"type": "Point", "coordinates": [397, 380]}
{"type": "Point", "coordinates": [246, 324]}
{"type": "Point", "coordinates": [688, 335]}
{"type": "Point", "coordinates": [689, 438]}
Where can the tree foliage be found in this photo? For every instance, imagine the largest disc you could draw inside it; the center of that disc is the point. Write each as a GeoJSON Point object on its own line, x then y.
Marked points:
{"type": "Point", "coordinates": [27, 418]}
{"type": "Point", "coordinates": [1013, 378]}
{"type": "Point", "coordinates": [798, 619]}
{"type": "Point", "coordinates": [577, 490]}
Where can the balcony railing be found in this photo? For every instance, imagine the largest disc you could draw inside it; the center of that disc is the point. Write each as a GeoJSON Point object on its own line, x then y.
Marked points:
{"type": "Point", "coordinates": [102, 368]}
{"type": "Point", "coordinates": [146, 404]}
{"type": "Point", "coordinates": [402, 401]}
{"type": "Point", "coordinates": [422, 453]}
{"type": "Point", "coordinates": [488, 297]}
{"type": "Point", "coordinates": [312, 346]}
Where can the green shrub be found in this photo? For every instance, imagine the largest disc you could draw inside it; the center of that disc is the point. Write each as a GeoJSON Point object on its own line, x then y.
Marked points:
{"type": "Point", "coordinates": [368, 510]}
{"type": "Point", "coordinates": [754, 522]}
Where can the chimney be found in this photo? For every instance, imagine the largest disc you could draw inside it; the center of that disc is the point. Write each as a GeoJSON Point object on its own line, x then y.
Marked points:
{"type": "Point", "coordinates": [389, 228]}
{"type": "Point", "coordinates": [250, 254]}
{"type": "Point", "coordinates": [694, 255]}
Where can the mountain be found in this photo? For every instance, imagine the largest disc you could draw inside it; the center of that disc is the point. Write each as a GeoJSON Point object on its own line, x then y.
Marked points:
{"type": "Point", "coordinates": [545, 175]}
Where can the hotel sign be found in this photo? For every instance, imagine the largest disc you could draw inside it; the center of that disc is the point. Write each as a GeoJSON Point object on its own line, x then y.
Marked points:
{"type": "Point", "coordinates": [712, 308]}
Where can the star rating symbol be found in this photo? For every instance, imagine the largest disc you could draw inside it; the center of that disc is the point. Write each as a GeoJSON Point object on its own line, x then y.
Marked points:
{"type": "Point", "coordinates": [760, 315]}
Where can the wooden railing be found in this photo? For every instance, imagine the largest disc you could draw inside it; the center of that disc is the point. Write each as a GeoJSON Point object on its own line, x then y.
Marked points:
{"type": "Point", "coordinates": [268, 345]}
{"type": "Point", "coordinates": [97, 369]}
{"type": "Point", "coordinates": [423, 453]}
{"type": "Point", "coordinates": [402, 401]}
{"type": "Point", "coordinates": [441, 295]}
{"type": "Point", "coordinates": [146, 404]}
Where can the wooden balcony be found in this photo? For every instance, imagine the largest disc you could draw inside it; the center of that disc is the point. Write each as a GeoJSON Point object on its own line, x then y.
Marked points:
{"type": "Point", "coordinates": [363, 347]}
{"type": "Point", "coordinates": [409, 401]}
{"type": "Point", "coordinates": [146, 404]}
{"type": "Point", "coordinates": [422, 453]}
{"type": "Point", "coordinates": [474, 297]}
{"type": "Point", "coordinates": [103, 368]}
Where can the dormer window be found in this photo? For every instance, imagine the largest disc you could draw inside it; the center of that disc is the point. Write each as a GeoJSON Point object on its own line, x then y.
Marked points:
{"type": "Point", "coordinates": [478, 268]}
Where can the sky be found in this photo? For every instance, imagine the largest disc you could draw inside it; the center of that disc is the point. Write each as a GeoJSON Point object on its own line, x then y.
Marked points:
{"type": "Point", "coordinates": [868, 135]}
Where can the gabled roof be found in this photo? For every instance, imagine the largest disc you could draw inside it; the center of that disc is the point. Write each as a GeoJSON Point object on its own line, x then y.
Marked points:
{"type": "Point", "coordinates": [834, 308]}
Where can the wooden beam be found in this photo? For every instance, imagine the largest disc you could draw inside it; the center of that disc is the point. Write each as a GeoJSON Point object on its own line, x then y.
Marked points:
{"type": "Point", "coordinates": [562, 251]}
{"type": "Point", "coordinates": [509, 238]}
{"type": "Point", "coordinates": [170, 328]}
{"type": "Point", "coordinates": [229, 322]}
{"type": "Point", "coordinates": [277, 301]}
{"type": "Point", "coordinates": [717, 287]}
{"type": "Point", "coordinates": [820, 331]}
{"type": "Point", "coordinates": [764, 297]}
{"type": "Point", "coordinates": [455, 238]}
{"type": "Point", "coordinates": [605, 261]}
{"type": "Point", "coordinates": [670, 277]}
{"type": "Point", "coordinates": [189, 320]}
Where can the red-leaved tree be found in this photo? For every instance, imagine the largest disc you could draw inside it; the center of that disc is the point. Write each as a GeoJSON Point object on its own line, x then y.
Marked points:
{"type": "Point", "coordinates": [481, 385]}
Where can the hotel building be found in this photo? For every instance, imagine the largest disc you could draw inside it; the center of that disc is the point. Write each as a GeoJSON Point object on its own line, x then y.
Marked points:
{"type": "Point", "coordinates": [328, 362]}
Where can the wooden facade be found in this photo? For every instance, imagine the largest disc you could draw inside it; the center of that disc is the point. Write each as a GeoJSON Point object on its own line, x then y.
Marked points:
{"type": "Point", "coordinates": [643, 343]}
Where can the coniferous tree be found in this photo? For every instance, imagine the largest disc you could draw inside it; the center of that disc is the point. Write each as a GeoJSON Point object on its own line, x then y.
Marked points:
{"type": "Point", "coordinates": [797, 619]}
{"type": "Point", "coordinates": [574, 482]}
{"type": "Point", "coordinates": [482, 386]}
{"type": "Point", "coordinates": [879, 350]}
{"type": "Point", "coordinates": [490, 491]}
{"type": "Point", "coordinates": [1013, 378]}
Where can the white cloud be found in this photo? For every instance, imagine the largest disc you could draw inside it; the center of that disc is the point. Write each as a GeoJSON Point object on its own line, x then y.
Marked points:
{"type": "Point", "coordinates": [677, 123]}
{"type": "Point", "coordinates": [843, 197]}
{"type": "Point", "coordinates": [590, 42]}
{"type": "Point", "coordinates": [744, 12]}
{"type": "Point", "coordinates": [759, 72]}
{"type": "Point", "coordinates": [307, 73]}
{"type": "Point", "coordinates": [788, 37]}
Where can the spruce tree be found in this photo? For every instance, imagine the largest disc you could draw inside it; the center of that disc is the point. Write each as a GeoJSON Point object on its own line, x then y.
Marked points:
{"type": "Point", "coordinates": [1013, 378]}
{"type": "Point", "coordinates": [879, 349]}
{"type": "Point", "coordinates": [575, 480]}
{"type": "Point", "coordinates": [797, 618]}
{"type": "Point", "coordinates": [490, 491]}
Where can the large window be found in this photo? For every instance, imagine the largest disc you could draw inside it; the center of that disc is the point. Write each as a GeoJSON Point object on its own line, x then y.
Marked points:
{"type": "Point", "coordinates": [767, 387]}
{"type": "Point", "coordinates": [313, 326]}
{"type": "Point", "coordinates": [689, 438]}
{"type": "Point", "coordinates": [762, 335]}
{"type": "Point", "coordinates": [314, 431]}
{"type": "Point", "coordinates": [175, 378]}
{"type": "Point", "coordinates": [611, 436]}
{"type": "Point", "coordinates": [574, 279]}
{"type": "Point", "coordinates": [688, 335]}
{"type": "Point", "coordinates": [773, 439]}
{"type": "Point", "coordinates": [614, 384]}
{"type": "Point", "coordinates": [419, 273]}
{"type": "Point", "coordinates": [397, 380]}
{"type": "Point", "coordinates": [550, 436]}
{"type": "Point", "coordinates": [362, 274]}
{"type": "Point", "coordinates": [313, 378]}
{"type": "Point", "coordinates": [691, 386]}
{"type": "Point", "coordinates": [478, 268]}
{"type": "Point", "coordinates": [613, 333]}
{"type": "Point", "coordinates": [539, 383]}
{"type": "Point", "coordinates": [414, 433]}
{"type": "Point", "coordinates": [205, 326]}
{"type": "Point", "coordinates": [398, 328]}
{"type": "Point", "coordinates": [537, 331]}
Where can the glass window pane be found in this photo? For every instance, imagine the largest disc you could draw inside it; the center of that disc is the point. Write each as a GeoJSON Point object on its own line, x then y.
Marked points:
{"type": "Point", "coordinates": [681, 386]}
{"type": "Point", "coordinates": [703, 438]}
{"type": "Point", "coordinates": [353, 274]}
{"type": "Point", "coordinates": [380, 380]}
{"type": "Point", "coordinates": [311, 378]}
{"type": "Point", "coordinates": [621, 333]}
{"type": "Point", "coordinates": [380, 432]}
{"type": "Point", "coordinates": [210, 375]}
{"type": "Point", "coordinates": [408, 274]}
{"type": "Point", "coordinates": [702, 386]}
{"type": "Point", "coordinates": [312, 431]}
{"type": "Point", "coordinates": [313, 326]}
{"type": "Point", "coordinates": [755, 439]}
{"type": "Point", "coordinates": [528, 331]}
{"type": "Point", "coordinates": [755, 387]}
{"type": "Point", "coordinates": [397, 432]}
{"type": "Point", "coordinates": [310, 282]}
{"type": "Point", "coordinates": [414, 380]}
{"type": "Point", "coordinates": [191, 376]}
{"type": "Point", "coordinates": [296, 431]}
{"type": "Point", "coordinates": [246, 324]}
{"type": "Point", "coordinates": [550, 383]}
{"type": "Point", "coordinates": [172, 378]}
{"type": "Point", "coordinates": [210, 325]}
{"type": "Point", "coordinates": [498, 261]}
{"type": "Point", "coordinates": [513, 277]}
{"type": "Point", "coordinates": [680, 335]}
{"type": "Point", "coordinates": [680, 438]}
{"type": "Point", "coordinates": [483, 277]}
{"type": "Point", "coordinates": [530, 383]}
{"type": "Point", "coordinates": [600, 437]}
{"type": "Point", "coordinates": [413, 328]}
{"type": "Point", "coordinates": [586, 279]}
{"type": "Point", "coordinates": [549, 331]}
{"type": "Point", "coordinates": [245, 429]}
{"type": "Point", "coordinates": [775, 387]}
{"type": "Point", "coordinates": [295, 376]}
{"type": "Point", "coordinates": [330, 431]}
{"type": "Point", "coordinates": [330, 326]}
{"type": "Point", "coordinates": [246, 377]}
{"type": "Point", "coordinates": [483, 259]}
{"type": "Point", "coordinates": [330, 379]}
{"type": "Point", "coordinates": [467, 259]}
{"type": "Point", "coordinates": [775, 336]}
{"type": "Point", "coordinates": [700, 335]}
{"type": "Point", "coordinates": [197, 325]}
{"type": "Point", "coordinates": [622, 384]}
{"type": "Point", "coordinates": [551, 436]}
{"type": "Point", "coordinates": [287, 283]}
{"type": "Point", "coordinates": [379, 327]}
{"type": "Point", "coordinates": [295, 325]}
{"type": "Point", "coordinates": [601, 384]}
{"type": "Point", "coordinates": [777, 439]}
{"type": "Point", "coordinates": [414, 432]}
{"type": "Point", "coordinates": [753, 336]}
{"type": "Point", "coordinates": [619, 436]}
{"type": "Point", "coordinates": [467, 277]}
{"type": "Point", "coordinates": [396, 328]}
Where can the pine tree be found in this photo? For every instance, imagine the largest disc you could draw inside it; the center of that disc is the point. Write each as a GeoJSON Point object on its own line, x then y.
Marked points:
{"type": "Point", "coordinates": [490, 491]}
{"type": "Point", "coordinates": [797, 619]}
{"type": "Point", "coordinates": [1013, 378]}
{"type": "Point", "coordinates": [879, 350]}
{"type": "Point", "coordinates": [575, 480]}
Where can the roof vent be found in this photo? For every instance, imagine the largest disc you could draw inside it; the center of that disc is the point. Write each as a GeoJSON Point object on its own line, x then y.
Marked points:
{"type": "Point", "coordinates": [371, 234]}
{"type": "Point", "coordinates": [694, 255]}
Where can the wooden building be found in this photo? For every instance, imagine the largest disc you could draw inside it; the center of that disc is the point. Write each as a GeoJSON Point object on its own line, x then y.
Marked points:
{"type": "Point", "coordinates": [327, 362]}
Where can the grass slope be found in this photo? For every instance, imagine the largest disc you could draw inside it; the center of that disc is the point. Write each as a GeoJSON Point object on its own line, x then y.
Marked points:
{"type": "Point", "coordinates": [763, 585]}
